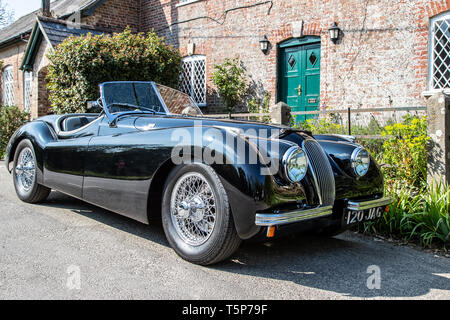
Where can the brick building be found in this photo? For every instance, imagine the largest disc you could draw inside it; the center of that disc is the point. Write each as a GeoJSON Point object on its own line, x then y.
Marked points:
{"type": "Point", "coordinates": [389, 52]}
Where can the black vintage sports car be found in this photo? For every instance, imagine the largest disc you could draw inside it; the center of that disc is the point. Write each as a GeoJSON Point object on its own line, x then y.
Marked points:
{"type": "Point", "coordinates": [150, 153]}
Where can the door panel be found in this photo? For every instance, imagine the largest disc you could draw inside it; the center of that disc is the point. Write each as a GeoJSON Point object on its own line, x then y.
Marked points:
{"type": "Point", "coordinates": [122, 161]}
{"type": "Point", "coordinates": [299, 85]}
{"type": "Point", "coordinates": [291, 75]}
{"type": "Point", "coordinates": [311, 78]}
{"type": "Point", "coordinates": [64, 165]}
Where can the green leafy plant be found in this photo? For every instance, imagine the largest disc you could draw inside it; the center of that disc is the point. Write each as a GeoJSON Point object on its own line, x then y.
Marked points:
{"type": "Point", "coordinates": [321, 126]}
{"type": "Point", "coordinates": [422, 217]}
{"type": "Point", "coordinates": [230, 81]}
{"type": "Point", "coordinates": [80, 64]}
{"type": "Point", "coordinates": [405, 153]}
{"type": "Point", "coordinates": [260, 105]}
{"type": "Point", "coordinates": [11, 119]}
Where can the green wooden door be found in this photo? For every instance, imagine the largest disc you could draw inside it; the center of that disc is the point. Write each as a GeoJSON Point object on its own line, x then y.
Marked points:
{"type": "Point", "coordinates": [299, 84]}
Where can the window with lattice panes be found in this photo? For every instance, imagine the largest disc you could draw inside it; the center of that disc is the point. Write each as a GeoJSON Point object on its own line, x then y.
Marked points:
{"type": "Point", "coordinates": [193, 78]}
{"type": "Point", "coordinates": [8, 86]}
{"type": "Point", "coordinates": [27, 89]}
{"type": "Point", "coordinates": [439, 64]}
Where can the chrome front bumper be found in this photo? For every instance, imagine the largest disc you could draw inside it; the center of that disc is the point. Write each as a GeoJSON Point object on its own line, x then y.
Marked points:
{"type": "Point", "coordinates": [365, 205]}
{"type": "Point", "coordinates": [274, 219]}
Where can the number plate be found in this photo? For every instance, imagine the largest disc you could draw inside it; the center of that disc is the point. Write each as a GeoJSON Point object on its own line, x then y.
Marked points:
{"type": "Point", "coordinates": [354, 216]}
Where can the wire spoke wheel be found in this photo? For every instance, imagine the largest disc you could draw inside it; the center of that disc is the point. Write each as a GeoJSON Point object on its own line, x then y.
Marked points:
{"type": "Point", "coordinates": [193, 209]}
{"type": "Point", "coordinates": [25, 170]}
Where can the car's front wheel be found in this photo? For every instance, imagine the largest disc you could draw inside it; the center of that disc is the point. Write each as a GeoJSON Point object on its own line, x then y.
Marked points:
{"type": "Point", "coordinates": [196, 215]}
{"type": "Point", "coordinates": [24, 174]}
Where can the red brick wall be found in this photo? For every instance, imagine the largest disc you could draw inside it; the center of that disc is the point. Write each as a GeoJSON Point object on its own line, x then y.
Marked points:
{"type": "Point", "coordinates": [381, 61]}
{"type": "Point", "coordinates": [115, 15]}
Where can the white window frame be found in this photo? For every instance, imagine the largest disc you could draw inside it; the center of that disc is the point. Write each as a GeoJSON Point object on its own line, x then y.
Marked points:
{"type": "Point", "coordinates": [27, 90]}
{"type": "Point", "coordinates": [193, 60]}
{"type": "Point", "coordinates": [8, 86]}
{"type": "Point", "coordinates": [431, 54]}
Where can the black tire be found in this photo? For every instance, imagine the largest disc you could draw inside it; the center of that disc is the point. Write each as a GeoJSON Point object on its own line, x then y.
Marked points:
{"type": "Point", "coordinates": [223, 240]}
{"type": "Point", "coordinates": [34, 193]}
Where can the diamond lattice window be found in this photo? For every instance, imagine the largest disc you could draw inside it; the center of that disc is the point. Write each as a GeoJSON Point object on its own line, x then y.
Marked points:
{"type": "Point", "coordinates": [8, 86]}
{"type": "Point", "coordinates": [440, 52]}
{"type": "Point", "coordinates": [312, 59]}
{"type": "Point", "coordinates": [193, 78]}
{"type": "Point", "coordinates": [291, 61]}
{"type": "Point", "coordinates": [27, 88]}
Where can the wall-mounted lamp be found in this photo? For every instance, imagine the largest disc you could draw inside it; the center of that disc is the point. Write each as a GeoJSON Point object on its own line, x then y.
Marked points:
{"type": "Point", "coordinates": [264, 44]}
{"type": "Point", "coordinates": [334, 32]}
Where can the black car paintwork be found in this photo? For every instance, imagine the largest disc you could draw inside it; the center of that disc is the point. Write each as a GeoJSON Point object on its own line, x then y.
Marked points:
{"type": "Point", "coordinates": [114, 167]}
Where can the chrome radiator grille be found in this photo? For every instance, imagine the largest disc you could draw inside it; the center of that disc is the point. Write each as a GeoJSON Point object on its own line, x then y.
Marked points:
{"type": "Point", "coordinates": [321, 170]}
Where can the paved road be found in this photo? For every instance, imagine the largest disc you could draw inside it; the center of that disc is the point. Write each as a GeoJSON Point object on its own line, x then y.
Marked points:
{"type": "Point", "coordinates": [65, 249]}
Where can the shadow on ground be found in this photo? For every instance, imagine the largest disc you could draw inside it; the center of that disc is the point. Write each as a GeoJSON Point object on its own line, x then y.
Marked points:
{"type": "Point", "coordinates": [332, 264]}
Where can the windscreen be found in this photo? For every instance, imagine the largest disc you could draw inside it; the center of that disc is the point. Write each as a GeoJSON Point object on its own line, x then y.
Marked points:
{"type": "Point", "coordinates": [129, 96]}
{"type": "Point", "coordinates": [178, 102]}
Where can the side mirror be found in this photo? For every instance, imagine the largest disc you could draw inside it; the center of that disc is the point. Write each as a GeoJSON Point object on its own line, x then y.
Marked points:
{"type": "Point", "coordinates": [93, 107]}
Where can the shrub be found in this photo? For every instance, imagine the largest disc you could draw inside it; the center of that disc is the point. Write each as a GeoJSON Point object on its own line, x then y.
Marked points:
{"type": "Point", "coordinates": [230, 80]}
{"type": "Point", "coordinates": [11, 119]}
{"type": "Point", "coordinates": [321, 126]}
{"type": "Point", "coordinates": [258, 105]}
{"type": "Point", "coordinates": [405, 154]}
{"type": "Point", "coordinates": [80, 64]}
{"type": "Point", "coordinates": [424, 216]}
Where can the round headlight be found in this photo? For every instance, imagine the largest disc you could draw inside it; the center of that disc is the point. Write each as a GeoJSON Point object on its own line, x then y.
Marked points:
{"type": "Point", "coordinates": [295, 164]}
{"type": "Point", "coordinates": [360, 161]}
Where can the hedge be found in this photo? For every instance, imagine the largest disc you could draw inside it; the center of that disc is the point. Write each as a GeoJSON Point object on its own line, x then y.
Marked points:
{"type": "Point", "coordinates": [79, 64]}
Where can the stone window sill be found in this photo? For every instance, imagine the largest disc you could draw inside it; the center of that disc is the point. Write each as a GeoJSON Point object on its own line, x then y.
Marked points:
{"type": "Point", "coordinates": [429, 93]}
{"type": "Point", "coordinates": [185, 3]}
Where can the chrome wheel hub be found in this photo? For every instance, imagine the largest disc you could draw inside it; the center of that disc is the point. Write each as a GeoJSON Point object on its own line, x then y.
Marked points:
{"type": "Point", "coordinates": [25, 170]}
{"type": "Point", "coordinates": [193, 209]}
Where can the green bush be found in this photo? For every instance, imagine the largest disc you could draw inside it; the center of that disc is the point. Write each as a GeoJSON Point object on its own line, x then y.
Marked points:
{"type": "Point", "coordinates": [424, 216]}
{"type": "Point", "coordinates": [260, 105]}
{"type": "Point", "coordinates": [230, 80]}
{"type": "Point", "coordinates": [80, 64]}
{"type": "Point", "coordinates": [11, 119]}
{"type": "Point", "coordinates": [405, 154]}
{"type": "Point", "coordinates": [321, 126]}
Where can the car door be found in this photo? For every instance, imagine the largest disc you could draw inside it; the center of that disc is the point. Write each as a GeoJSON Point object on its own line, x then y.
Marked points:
{"type": "Point", "coordinates": [64, 160]}
{"type": "Point", "coordinates": [120, 164]}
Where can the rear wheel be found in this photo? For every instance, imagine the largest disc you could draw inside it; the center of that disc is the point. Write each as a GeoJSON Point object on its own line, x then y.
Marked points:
{"type": "Point", "coordinates": [24, 175]}
{"type": "Point", "coordinates": [196, 215]}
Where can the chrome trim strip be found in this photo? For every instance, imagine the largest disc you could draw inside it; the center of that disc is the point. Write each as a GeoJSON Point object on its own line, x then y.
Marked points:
{"type": "Point", "coordinates": [318, 189]}
{"type": "Point", "coordinates": [272, 219]}
{"type": "Point", "coordinates": [364, 205]}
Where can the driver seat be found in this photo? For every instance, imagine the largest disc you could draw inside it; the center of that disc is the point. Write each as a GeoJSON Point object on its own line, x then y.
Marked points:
{"type": "Point", "coordinates": [74, 123]}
